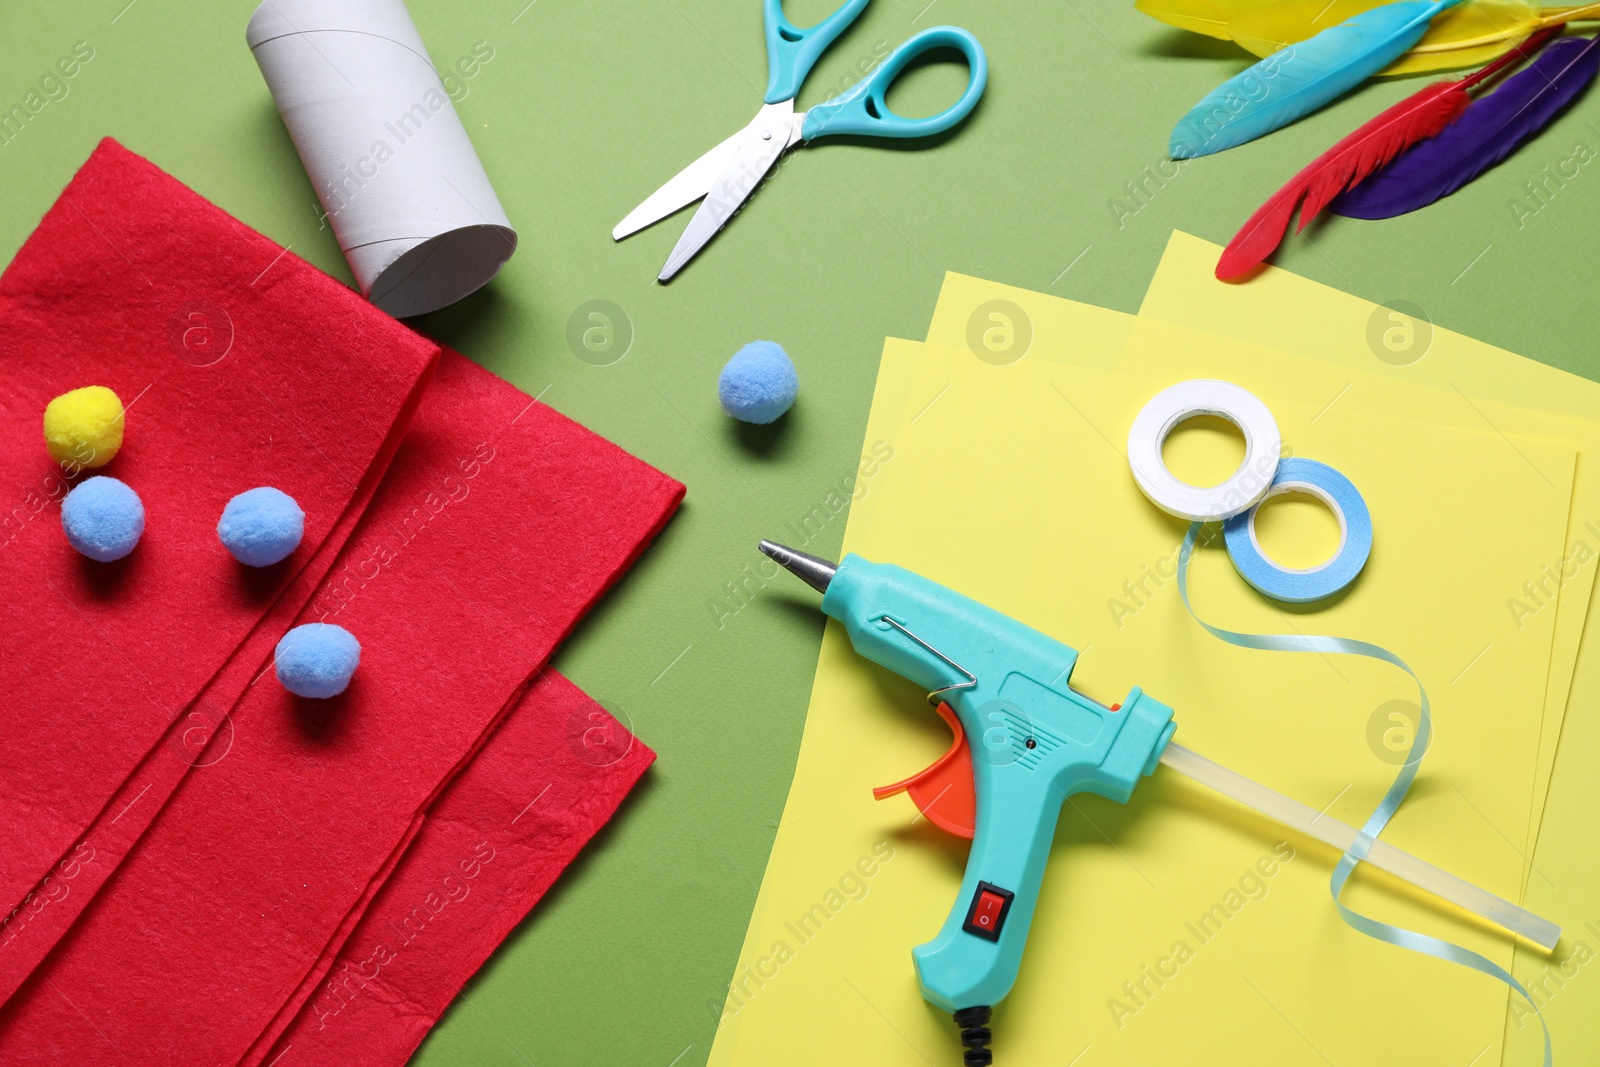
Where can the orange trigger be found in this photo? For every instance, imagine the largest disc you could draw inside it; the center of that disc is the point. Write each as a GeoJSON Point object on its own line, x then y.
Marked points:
{"type": "Point", "coordinates": [943, 791]}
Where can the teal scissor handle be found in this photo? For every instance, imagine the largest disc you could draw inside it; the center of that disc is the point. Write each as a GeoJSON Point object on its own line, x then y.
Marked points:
{"type": "Point", "coordinates": [791, 51]}
{"type": "Point", "coordinates": [864, 110]}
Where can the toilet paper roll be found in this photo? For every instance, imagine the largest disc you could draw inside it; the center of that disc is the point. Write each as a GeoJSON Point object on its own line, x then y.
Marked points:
{"type": "Point", "coordinates": [398, 178]}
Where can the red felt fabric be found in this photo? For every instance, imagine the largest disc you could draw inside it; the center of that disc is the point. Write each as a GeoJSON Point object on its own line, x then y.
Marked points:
{"type": "Point", "coordinates": [131, 281]}
{"type": "Point", "coordinates": [550, 776]}
{"type": "Point", "coordinates": [53, 906]}
{"type": "Point", "coordinates": [326, 959]}
{"type": "Point", "coordinates": [499, 524]}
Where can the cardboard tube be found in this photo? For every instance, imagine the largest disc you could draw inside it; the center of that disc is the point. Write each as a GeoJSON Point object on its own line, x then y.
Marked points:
{"type": "Point", "coordinates": [413, 210]}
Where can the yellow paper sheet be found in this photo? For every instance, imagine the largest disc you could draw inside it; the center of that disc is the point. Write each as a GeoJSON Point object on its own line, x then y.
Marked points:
{"type": "Point", "coordinates": [1005, 490]}
{"type": "Point", "coordinates": [1280, 309]}
{"type": "Point", "coordinates": [1349, 333]}
{"type": "Point", "coordinates": [1153, 346]}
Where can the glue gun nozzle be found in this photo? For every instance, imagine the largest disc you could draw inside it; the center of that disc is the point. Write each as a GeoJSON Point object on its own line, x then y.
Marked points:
{"type": "Point", "coordinates": [813, 570]}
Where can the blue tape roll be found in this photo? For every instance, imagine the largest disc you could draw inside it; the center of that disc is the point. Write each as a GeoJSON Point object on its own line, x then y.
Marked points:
{"type": "Point", "coordinates": [1302, 586]}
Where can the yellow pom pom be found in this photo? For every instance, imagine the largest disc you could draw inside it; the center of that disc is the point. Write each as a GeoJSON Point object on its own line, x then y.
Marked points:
{"type": "Point", "coordinates": [83, 428]}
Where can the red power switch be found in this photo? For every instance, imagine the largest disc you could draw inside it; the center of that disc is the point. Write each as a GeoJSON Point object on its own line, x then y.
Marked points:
{"type": "Point", "coordinates": [988, 912]}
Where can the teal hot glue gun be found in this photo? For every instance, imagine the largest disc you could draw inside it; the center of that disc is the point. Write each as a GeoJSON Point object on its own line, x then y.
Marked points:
{"type": "Point", "coordinates": [1034, 742]}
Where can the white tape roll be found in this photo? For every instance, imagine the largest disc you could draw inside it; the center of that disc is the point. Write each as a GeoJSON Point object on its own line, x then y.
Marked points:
{"type": "Point", "coordinates": [415, 214]}
{"type": "Point", "coordinates": [1204, 396]}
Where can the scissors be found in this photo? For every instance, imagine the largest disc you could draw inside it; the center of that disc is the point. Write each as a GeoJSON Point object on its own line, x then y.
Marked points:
{"type": "Point", "coordinates": [727, 175]}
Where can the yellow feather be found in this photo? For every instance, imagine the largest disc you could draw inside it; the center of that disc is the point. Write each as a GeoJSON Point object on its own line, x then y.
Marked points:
{"type": "Point", "coordinates": [1210, 17]}
{"type": "Point", "coordinates": [1466, 36]}
{"type": "Point", "coordinates": [1415, 62]}
{"type": "Point", "coordinates": [1480, 31]}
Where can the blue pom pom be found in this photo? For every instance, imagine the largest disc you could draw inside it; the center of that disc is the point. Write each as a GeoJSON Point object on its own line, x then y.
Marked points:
{"type": "Point", "coordinates": [317, 659]}
{"type": "Point", "coordinates": [261, 526]}
{"type": "Point", "coordinates": [103, 518]}
{"type": "Point", "coordinates": [759, 383]}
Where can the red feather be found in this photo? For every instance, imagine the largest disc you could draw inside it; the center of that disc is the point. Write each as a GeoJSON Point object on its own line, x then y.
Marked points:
{"type": "Point", "coordinates": [1416, 118]}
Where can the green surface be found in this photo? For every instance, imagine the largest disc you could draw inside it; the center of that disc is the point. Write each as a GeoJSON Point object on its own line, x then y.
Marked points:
{"type": "Point", "coordinates": [584, 108]}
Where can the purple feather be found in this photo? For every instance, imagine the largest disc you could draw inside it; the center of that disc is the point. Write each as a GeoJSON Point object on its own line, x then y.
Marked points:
{"type": "Point", "coordinates": [1488, 131]}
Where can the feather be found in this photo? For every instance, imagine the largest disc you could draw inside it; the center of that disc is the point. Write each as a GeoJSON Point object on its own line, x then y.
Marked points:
{"type": "Point", "coordinates": [1290, 84]}
{"type": "Point", "coordinates": [1491, 129]}
{"type": "Point", "coordinates": [1210, 17]}
{"type": "Point", "coordinates": [1472, 34]}
{"type": "Point", "coordinates": [1467, 36]}
{"type": "Point", "coordinates": [1416, 118]}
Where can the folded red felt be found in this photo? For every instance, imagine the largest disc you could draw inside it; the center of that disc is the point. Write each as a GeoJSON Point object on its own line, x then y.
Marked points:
{"type": "Point", "coordinates": [548, 778]}
{"type": "Point", "coordinates": [53, 906]}
{"type": "Point", "coordinates": [499, 523]}
{"type": "Point", "coordinates": [205, 329]}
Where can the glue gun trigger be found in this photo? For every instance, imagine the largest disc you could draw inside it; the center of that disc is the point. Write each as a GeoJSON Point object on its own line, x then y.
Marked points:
{"type": "Point", "coordinates": [944, 790]}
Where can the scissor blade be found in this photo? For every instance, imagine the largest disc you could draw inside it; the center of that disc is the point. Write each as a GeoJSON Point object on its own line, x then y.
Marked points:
{"type": "Point", "coordinates": [683, 189]}
{"type": "Point", "coordinates": [760, 145]}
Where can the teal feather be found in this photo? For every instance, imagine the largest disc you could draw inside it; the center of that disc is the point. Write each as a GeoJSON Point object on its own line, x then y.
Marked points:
{"type": "Point", "coordinates": [1297, 80]}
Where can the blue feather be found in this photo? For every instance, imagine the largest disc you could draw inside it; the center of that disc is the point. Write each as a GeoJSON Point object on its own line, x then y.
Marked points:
{"type": "Point", "coordinates": [1488, 131]}
{"type": "Point", "coordinates": [1297, 80]}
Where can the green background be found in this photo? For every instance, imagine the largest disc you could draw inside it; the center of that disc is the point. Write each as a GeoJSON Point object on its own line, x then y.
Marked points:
{"type": "Point", "coordinates": [586, 106]}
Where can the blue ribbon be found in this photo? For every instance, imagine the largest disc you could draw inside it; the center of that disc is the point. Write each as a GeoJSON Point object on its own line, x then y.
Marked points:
{"type": "Point", "coordinates": [1394, 935]}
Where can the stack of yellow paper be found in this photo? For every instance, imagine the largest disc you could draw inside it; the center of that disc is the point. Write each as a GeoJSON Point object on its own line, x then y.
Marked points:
{"type": "Point", "coordinates": [1181, 928]}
